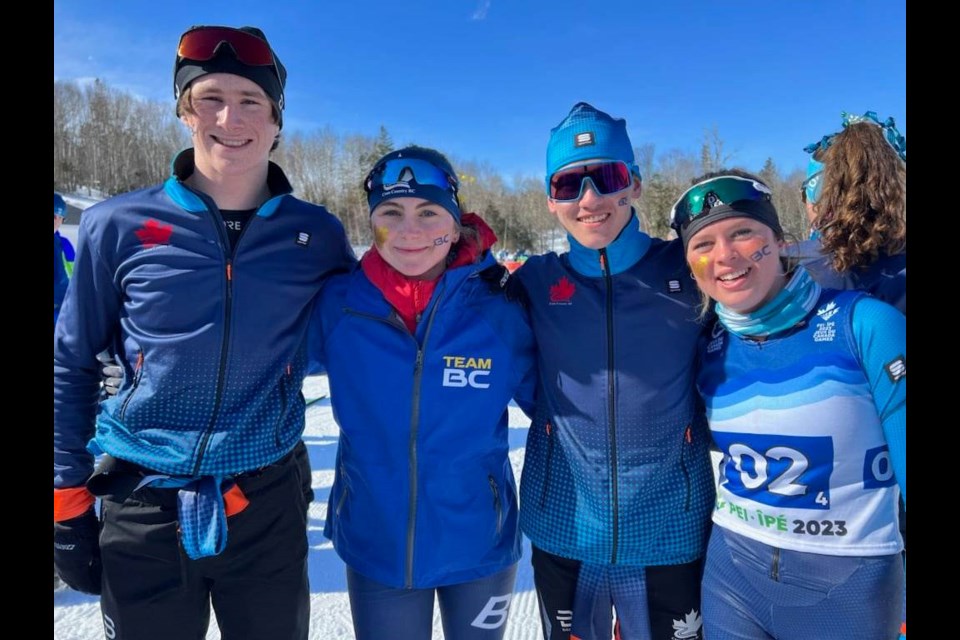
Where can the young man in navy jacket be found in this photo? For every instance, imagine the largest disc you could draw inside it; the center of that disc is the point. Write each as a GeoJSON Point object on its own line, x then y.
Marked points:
{"type": "Point", "coordinates": [617, 490]}
{"type": "Point", "coordinates": [202, 286]}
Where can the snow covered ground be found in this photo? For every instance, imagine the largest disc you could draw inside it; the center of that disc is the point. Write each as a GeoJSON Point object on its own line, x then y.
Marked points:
{"type": "Point", "coordinates": [77, 616]}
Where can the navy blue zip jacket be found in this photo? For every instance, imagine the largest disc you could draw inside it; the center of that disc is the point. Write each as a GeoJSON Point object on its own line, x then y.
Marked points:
{"type": "Point", "coordinates": [424, 493]}
{"type": "Point", "coordinates": [212, 341]}
{"type": "Point", "coordinates": [617, 466]}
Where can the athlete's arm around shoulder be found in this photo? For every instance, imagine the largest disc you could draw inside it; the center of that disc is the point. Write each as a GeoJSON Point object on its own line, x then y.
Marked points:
{"type": "Point", "coordinates": [339, 256]}
{"type": "Point", "coordinates": [326, 310]}
{"type": "Point", "coordinates": [523, 342]}
{"type": "Point", "coordinates": [880, 332]}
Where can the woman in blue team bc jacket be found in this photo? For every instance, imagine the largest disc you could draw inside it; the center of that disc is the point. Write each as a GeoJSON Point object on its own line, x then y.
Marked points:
{"type": "Point", "coordinates": [805, 390]}
{"type": "Point", "coordinates": [424, 353]}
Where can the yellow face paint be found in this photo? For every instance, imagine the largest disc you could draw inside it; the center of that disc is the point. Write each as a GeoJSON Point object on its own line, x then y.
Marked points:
{"type": "Point", "coordinates": [380, 235]}
{"type": "Point", "coordinates": [700, 266]}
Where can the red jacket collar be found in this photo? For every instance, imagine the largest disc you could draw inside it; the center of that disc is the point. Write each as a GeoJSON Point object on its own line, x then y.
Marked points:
{"type": "Point", "coordinates": [411, 297]}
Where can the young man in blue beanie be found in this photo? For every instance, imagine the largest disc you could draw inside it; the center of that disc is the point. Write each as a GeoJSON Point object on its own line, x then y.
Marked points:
{"type": "Point", "coordinates": [202, 286]}
{"type": "Point", "coordinates": [617, 488]}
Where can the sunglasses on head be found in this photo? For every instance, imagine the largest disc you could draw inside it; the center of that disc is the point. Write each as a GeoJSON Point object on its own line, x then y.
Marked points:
{"type": "Point", "coordinates": [703, 196]}
{"type": "Point", "coordinates": [607, 177]}
{"type": "Point", "coordinates": [202, 43]}
{"type": "Point", "coordinates": [399, 172]}
{"type": "Point", "coordinates": [808, 188]}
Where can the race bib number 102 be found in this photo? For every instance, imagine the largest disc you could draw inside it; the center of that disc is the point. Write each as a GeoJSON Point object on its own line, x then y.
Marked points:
{"type": "Point", "coordinates": [777, 470]}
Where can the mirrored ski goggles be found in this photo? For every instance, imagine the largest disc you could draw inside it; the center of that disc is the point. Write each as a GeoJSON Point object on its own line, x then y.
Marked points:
{"type": "Point", "coordinates": [404, 170]}
{"type": "Point", "coordinates": [606, 177]}
{"type": "Point", "coordinates": [703, 196]}
{"type": "Point", "coordinates": [201, 43]}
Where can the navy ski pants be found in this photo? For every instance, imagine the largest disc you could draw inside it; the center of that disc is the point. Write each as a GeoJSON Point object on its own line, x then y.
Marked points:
{"type": "Point", "coordinates": [475, 610]}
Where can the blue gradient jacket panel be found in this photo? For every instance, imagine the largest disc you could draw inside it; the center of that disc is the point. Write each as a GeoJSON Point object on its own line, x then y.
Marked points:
{"type": "Point", "coordinates": [617, 467]}
{"type": "Point", "coordinates": [212, 342]}
{"type": "Point", "coordinates": [424, 493]}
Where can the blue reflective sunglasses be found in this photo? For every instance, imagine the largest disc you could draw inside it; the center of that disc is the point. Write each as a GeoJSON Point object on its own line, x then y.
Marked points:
{"type": "Point", "coordinates": [399, 172]}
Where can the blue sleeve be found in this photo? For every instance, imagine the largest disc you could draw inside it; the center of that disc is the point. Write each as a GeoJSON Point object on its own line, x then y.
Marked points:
{"type": "Point", "coordinates": [315, 353]}
{"type": "Point", "coordinates": [89, 319]}
{"type": "Point", "coordinates": [316, 357]}
{"type": "Point", "coordinates": [880, 332]}
{"type": "Point", "coordinates": [526, 393]}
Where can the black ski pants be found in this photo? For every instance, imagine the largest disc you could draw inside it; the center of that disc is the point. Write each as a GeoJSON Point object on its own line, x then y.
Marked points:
{"type": "Point", "coordinates": [258, 586]}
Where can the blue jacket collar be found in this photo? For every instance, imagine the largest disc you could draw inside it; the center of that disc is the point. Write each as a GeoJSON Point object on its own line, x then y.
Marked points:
{"type": "Point", "coordinates": [624, 252]}
{"type": "Point", "coordinates": [193, 201]}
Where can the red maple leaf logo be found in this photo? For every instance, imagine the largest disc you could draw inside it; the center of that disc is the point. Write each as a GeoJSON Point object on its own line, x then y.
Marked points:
{"type": "Point", "coordinates": [562, 291]}
{"type": "Point", "coordinates": [154, 233]}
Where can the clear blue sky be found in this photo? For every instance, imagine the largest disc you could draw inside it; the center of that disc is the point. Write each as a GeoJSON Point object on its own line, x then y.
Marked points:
{"type": "Point", "coordinates": [485, 80]}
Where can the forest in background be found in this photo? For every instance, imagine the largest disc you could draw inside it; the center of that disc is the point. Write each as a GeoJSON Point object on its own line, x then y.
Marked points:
{"type": "Point", "coordinates": [114, 142]}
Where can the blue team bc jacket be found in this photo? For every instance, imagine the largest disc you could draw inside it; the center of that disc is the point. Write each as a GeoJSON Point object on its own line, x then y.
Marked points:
{"type": "Point", "coordinates": [424, 493]}
{"type": "Point", "coordinates": [617, 467]}
{"type": "Point", "coordinates": [212, 341]}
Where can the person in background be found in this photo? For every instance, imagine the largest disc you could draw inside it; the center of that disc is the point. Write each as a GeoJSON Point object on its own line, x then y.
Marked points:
{"type": "Point", "coordinates": [424, 352]}
{"type": "Point", "coordinates": [805, 390]}
{"type": "Point", "coordinates": [203, 285]}
{"type": "Point", "coordinates": [617, 486]}
{"type": "Point", "coordinates": [856, 199]}
{"type": "Point", "coordinates": [63, 256]}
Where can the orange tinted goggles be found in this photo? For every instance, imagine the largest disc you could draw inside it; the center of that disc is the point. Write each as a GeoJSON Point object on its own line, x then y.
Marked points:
{"type": "Point", "coordinates": [201, 43]}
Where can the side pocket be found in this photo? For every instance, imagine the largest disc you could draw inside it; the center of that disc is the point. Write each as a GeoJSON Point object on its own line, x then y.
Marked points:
{"type": "Point", "coordinates": [549, 463]}
{"type": "Point", "coordinates": [305, 472]}
{"type": "Point", "coordinates": [497, 506]}
{"type": "Point", "coordinates": [137, 374]}
{"type": "Point", "coordinates": [282, 388]}
{"type": "Point", "coordinates": [687, 442]}
{"type": "Point", "coordinates": [343, 492]}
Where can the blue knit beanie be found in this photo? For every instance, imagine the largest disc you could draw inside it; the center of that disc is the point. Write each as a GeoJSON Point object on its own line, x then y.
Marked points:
{"type": "Point", "coordinates": [407, 185]}
{"type": "Point", "coordinates": [588, 133]}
